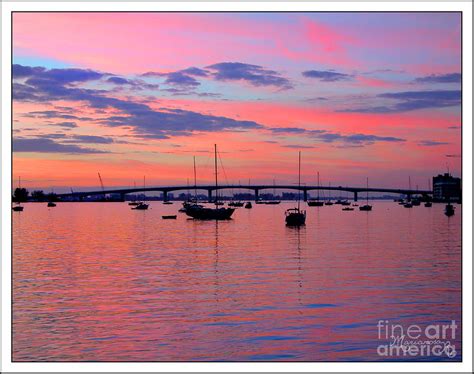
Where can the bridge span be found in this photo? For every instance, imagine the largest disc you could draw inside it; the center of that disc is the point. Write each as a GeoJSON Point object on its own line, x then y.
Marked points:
{"type": "Point", "coordinates": [256, 188]}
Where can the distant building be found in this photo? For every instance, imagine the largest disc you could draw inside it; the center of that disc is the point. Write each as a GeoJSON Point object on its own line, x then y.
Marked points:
{"type": "Point", "coordinates": [446, 187]}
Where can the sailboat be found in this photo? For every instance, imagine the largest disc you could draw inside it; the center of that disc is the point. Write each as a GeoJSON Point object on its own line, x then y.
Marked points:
{"type": "Point", "coordinates": [295, 216]}
{"type": "Point", "coordinates": [51, 203]}
{"type": "Point", "coordinates": [192, 201]}
{"type": "Point", "coordinates": [18, 207]}
{"type": "Point", "coordinates": [346, 202]}
{"type": "Point", "coordinates": [133, 202]}
{"type": "Point", "coordinates": [199, 212]}
{"type": "Point", "coordinates": [449, 210]}
{"type": "Point", "coordinates": [366, 207]}
{"type": "Point", "coordinates": [428, 203]}
{"type": "Point", "coordinates": [273, 202]}
{"type": "Point", "coordinates": [316, 202]}
{"type": "Point", "coordinates": [141, 204]}
{"type": "Point", "coordinates": [408, 203]}
{"type": "Point", "coordinates": [329, 202]}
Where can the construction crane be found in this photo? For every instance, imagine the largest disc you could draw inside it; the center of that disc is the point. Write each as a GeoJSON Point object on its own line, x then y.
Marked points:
{"type": "Point", "coordinates": [101, 185]}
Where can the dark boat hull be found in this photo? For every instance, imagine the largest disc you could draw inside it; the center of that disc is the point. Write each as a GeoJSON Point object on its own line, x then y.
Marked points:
{"type": "Point", "coordinates": [315, 203]}
{"type": "Point", "coordinates": [295, 219]}
{"type": "Point", "coordinates": [365, 208]}
{"type": "Point", "coordinates": [449, 210]}
{"type": "Point", "coordinates": [168, 217]}
{"type": "Point", "coordinates": [210, 213]}
{"type": "Point", "coordinates": [17, 209]}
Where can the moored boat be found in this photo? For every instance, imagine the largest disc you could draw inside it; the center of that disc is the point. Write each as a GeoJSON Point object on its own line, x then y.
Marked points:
{"type": "Point", "coordinates": [197, 211]}
{"type": "Point", "coordinates": [169, 217]}
{"type": "Point", "coordinates": [272, 202]}
{"type": "Point", "coordinates": [296, 216]}
{"type": "Point", "coordinates": [366, 207]}
{"type": "Point", "coordinates": [141, 206]}
{"type": "Point", "coordinates": [449, 210]}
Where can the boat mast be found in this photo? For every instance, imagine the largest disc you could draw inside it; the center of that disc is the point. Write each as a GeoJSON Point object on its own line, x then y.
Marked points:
{"type": "Point", "coordinates": [318, 185]}
{"type": "Point", "coordinates": [195, 188]}
{"type": "Point", "coordinates": [367, 190]}
{"type": "Point", "coordinates": [215, 168]}
{"type": "Point", "coordinates": [409, 187]}
{"type": "Point", "coordinates": [299, 178]}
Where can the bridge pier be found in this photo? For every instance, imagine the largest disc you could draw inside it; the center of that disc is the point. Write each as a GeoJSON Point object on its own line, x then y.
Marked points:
{"type": "Point", "coordinates": [256, 194]}
{"type": "Point", "coordinates": [355, 196]}
{"type": "Point", "coordinates": [165, 195]}
{"type": "Point", "coordinates": [305, 195]}
{"type": "Point", "coordinates": [209, 196]}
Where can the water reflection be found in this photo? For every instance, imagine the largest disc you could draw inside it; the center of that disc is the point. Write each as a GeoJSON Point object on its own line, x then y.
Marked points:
{"type": "Point", "coordinates": [104, 282]}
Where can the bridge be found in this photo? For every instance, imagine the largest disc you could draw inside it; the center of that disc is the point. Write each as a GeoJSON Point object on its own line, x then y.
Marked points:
{"type": "Point", "coordinates": [256, 188]}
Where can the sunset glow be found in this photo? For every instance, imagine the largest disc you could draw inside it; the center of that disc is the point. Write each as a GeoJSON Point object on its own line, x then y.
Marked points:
{"type": "Point", "coordinates": [133, 94]}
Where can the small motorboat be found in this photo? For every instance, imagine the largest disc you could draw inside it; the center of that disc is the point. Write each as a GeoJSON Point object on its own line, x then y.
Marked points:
{"type": "Point", "coordinates": [141, 206]}
{"type": "Point", "coordinates": [355, 204]}
{"type": "Point", "coordinates": [408, 205]}
{"type": "Point", "coordinates": [51, 204]}
{"type": "Point", "coordinates": [236, 203]}
{"type": "Point", "coordinates": [272, 202]}
{"type": "Point", "coordinates": [169, 217]}
{"type": "Point", "coordinates": [17, 208]}
{"type": "Point", "coordinates": [449, 210]}
{"type": "Point", "coordinates": [428, 204]}
{"type": "Point", "coordinates": [346, 203]}
{"type": "Point", "coordinates": [167, 202]}
{"type": "Point", "coordinates": [347, 208]}
{"type": "Point", "coordinates": [328, 203]}
{"type": "Point", "coordinates": [416, 202]}
{"type": "Point", "coordinates": [248, 205]}
{"type": "Point", "coordinates": [259, 201]}
{"type": "Point", "coordinates": [315, 203]}
{"type": "Point", "coordinates": [133, 203]}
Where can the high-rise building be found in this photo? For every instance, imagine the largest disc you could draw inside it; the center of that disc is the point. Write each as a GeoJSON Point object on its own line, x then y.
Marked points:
{"type": "Point", "coordinates": [446, 187]}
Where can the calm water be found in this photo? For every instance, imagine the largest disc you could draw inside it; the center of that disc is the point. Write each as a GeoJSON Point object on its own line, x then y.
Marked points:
{"type": "Point", "coordinates": [100, 282]}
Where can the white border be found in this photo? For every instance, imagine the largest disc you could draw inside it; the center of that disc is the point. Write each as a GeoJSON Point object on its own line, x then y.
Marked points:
{"type": "Point", "coordinates": [465, 366]}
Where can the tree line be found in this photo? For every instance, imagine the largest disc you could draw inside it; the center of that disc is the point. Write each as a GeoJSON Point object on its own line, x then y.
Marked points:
{"type": "Point", "coordinates": [21, 195]}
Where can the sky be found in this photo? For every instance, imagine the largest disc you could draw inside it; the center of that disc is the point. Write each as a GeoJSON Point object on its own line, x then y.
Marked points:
{"type": "Point", "coordinates": [361, 95]}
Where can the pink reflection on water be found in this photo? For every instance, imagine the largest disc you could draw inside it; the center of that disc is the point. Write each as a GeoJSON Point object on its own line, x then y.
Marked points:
{"type": "Point", "coordinates": [102, 282]}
